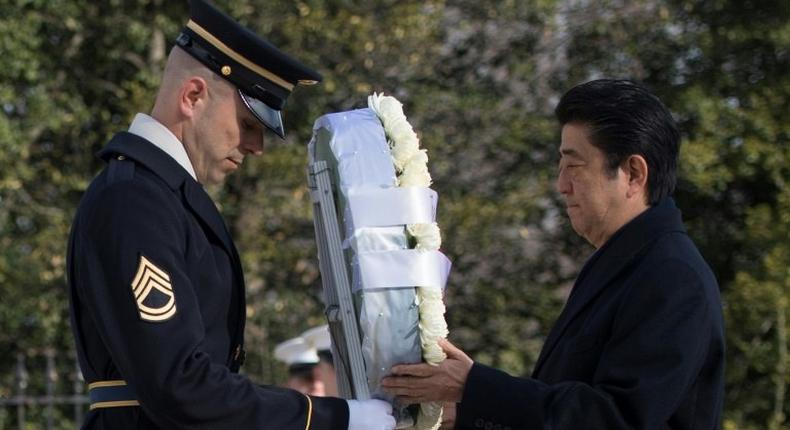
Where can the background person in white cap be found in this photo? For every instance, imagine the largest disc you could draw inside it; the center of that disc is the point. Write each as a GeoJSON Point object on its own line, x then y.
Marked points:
{"type": "Point", "coordinates": [156, 285]}
{"type": "Point", "coordinates": [302, 361]}
{"type": "Point", "coordinates": [319, 338]}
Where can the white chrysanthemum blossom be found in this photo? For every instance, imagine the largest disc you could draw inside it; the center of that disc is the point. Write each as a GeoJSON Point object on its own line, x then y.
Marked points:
{"type": "Point", "coordinates": [432, 328]}
{"type": "Point", "coordinates": [432, 324]}
{"type": "Point", "coordinates": [399, 130]}
{"type": "Point", "coordinates": [390, 112]}
{"type": "Point", "coordinates": [403, 151]}
{"type": "Point", "coordinates": [427, 235]}
{"type": "Point", "coordinates": [388, 109]}
{"type": "Point", "coordinates": [415, 171]}
{"type": "Point", "coordinates": [374, 100]}
{"type": "Point", "coordinates": [411, 164]}
{"type": "Point", "coordinates": [405, 146]}
{"type": "Point", "coordinates": [418, 160]}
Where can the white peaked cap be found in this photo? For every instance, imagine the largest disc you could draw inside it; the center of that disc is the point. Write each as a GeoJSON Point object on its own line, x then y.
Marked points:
{"type": "Point", "coordinates": [318, 338]}
{"type": "Point", "coordinates": [296, 351]}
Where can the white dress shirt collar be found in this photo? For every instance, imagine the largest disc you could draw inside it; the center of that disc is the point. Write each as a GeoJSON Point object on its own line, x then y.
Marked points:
{"type": "Point", "coordinates": [153, 131]}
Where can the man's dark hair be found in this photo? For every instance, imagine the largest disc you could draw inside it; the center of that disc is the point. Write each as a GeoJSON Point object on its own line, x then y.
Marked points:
{"type": "Point", "coordinates": [626, 119]}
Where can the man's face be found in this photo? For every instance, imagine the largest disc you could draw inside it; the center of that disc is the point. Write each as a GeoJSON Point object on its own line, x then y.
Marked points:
{"type": "Point", "coordinates": [306, 385]}
{"type": "Point", "coordinates": [325, 372]}
{"type": "Point", "coordinates": [595, 200]}
{"type": "Point", "coordinates": [225, 132]}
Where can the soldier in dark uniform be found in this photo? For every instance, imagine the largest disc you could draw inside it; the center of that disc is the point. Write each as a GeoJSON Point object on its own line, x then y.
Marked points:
{"type": "Point", "coordinates": [156, 285]}
{"type": "Point", "coordinates": [640, 342]}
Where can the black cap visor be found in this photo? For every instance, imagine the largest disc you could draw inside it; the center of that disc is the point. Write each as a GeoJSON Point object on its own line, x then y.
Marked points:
{"type": "Point", "coordinates": [269, 117]}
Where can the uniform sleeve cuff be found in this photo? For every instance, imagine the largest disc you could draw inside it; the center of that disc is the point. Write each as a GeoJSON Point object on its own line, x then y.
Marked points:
{"type": "Point", "coordinates": [494, 399]}
{"type": "Point", "coordinates": [328, 413]}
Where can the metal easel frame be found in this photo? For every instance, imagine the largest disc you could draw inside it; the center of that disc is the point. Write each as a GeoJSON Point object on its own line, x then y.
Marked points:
{"type": "Point", "coordinates": [340, 312]}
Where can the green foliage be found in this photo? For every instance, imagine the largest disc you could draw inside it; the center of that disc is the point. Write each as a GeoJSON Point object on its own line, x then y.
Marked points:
{"type": "Point", "coordinates": [479, 82]}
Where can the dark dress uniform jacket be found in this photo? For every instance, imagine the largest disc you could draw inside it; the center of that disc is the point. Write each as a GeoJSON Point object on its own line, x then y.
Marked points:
{"type": "Point", "coordinates": [639, 344]}
{"type": "Point", "coordinates": [145, 220]}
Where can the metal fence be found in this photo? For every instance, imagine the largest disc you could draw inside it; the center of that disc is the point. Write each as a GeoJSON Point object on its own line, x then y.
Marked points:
{"type": "Point", "coordinates": [43, 409]}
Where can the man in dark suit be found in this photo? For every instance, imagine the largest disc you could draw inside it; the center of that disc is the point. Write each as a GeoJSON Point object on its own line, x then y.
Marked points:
{"type": "Point", "coordinates": [156, 285]}
{"type": "Point", "coordinates": [640, 342]}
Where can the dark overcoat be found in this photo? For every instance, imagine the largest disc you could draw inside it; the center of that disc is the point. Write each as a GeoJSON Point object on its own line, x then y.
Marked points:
{"type": "Point", "coordinates": [157, 300]}
{"type": "Point", "coordinates": [639, 344]}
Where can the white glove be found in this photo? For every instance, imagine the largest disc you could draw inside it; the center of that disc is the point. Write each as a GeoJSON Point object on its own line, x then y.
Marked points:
{"type": "Point", "coordinates": [370, 415]}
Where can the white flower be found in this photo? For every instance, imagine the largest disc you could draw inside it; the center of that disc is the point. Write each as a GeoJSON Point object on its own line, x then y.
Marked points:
{"type": "Point", "coordinates": [387, 108]}
{"type": "Point", "coordinates": [411, 164]}
{"type": "Point", "coordinates": [404, 149]}
{"type": "Point", "coordinates": [399, 129]}
{"type": "Point", "coordinates": [428, 236]}
{"type": "Point", "coordinates": [415, 178]}
{"type": "Point", "coordinates": [415, 171]}
{"type": "Point", "coordinates": [374, 101]}
{"type": "Point", "coordinates": [432, 328]}
{"type": "Point", "coordinates": [432, 324]}
{"type": "Point", "coordinates": [418, 159]}
{"type": "Point", "coordinates": [390, 110]}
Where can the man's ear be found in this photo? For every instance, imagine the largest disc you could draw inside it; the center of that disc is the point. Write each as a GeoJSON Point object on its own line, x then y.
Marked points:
{"type": "Point", "coordinates": [635, 168]}
{"type": "Point", "coordinates": [193, 95]}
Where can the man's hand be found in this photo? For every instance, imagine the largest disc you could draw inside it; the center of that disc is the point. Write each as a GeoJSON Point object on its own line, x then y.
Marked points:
{"type": "Point", "coordinates": [420, 383]}
{"type": "Point", "coordinates": [448, 417]}
{"type": "Point", "coordinates": [370, 415]}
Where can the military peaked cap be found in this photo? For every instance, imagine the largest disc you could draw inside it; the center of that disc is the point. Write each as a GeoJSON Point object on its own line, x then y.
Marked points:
{"type": "Point", "coordinates": [320, 339]}
{"type": "Point", "coordinates": [264, 75]}
{"type": "Point", "coordinates": [297, 354]}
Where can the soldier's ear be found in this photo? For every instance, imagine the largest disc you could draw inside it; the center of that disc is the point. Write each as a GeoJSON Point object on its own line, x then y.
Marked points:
{"type": "Point", "coordinates": [193, 96]}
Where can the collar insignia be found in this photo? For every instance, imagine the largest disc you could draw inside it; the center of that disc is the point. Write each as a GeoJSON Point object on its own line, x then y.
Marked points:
{"type": "Point", "coordinates": [153, 292]}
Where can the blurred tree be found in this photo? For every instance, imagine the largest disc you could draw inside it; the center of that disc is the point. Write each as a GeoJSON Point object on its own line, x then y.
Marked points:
{"type": "Point", "coordinates": [734, 91]}
{"type": "Point", "coordinates": [479, 82]}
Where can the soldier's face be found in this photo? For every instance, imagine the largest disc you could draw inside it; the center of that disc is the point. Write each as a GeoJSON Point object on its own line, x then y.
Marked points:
{"type": "Point", "coordinates": [225, 132]}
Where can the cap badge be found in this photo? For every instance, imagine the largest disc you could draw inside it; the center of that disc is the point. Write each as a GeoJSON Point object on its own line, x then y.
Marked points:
{"type": "Point", "coordinates": [225, 70]}
{"type": "Point", "coordinates": [153, 292]}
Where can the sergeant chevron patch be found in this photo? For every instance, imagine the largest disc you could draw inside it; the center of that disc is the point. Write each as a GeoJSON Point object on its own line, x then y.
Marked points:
{"type": "Point", "coordinates": [153, 292]}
